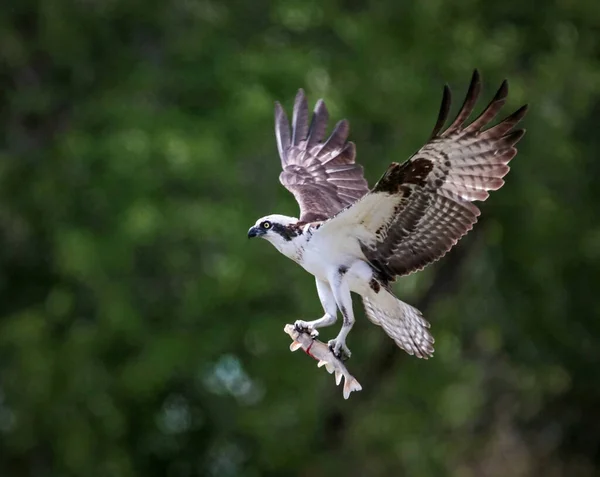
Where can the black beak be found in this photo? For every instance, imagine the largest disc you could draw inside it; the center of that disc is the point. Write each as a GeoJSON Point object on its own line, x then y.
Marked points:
{"type": "Point", "coordinates": [254, 232]}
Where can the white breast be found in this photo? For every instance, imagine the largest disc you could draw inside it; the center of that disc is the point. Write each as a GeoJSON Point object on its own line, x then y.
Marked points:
{"type": "Point", "coordinates": [323, 257]}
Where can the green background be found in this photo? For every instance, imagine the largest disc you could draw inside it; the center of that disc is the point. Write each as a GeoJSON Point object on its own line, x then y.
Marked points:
{"type": "Point", "coordinates": [141, 334]}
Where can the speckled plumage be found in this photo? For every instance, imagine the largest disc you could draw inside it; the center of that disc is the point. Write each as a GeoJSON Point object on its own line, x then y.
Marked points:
{"type": "Point", "coordinates": [358, 240]}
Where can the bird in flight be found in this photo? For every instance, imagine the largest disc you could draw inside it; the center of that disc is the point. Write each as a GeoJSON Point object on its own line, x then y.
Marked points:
{"type": "Point", "coordinates": [353, 239]}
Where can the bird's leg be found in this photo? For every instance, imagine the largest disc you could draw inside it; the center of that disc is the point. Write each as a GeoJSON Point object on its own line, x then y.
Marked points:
{"type": "Point", "coordinates": [341, 293]}
{"type": "Point", "coordinates": [329, 306]}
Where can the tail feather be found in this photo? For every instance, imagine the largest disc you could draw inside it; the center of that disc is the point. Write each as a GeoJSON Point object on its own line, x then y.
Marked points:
{"type": "Point", "coordinates": [401, 322]}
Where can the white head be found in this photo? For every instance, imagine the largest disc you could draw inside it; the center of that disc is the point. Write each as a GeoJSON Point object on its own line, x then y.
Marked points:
{"type": "Point", "coordinates": [277, 229]}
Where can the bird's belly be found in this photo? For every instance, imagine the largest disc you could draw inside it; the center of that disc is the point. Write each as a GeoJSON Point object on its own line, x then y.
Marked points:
{"type": "Point", "coordinates": [357, 273]}
{"type": "Point", "coordinates": [359, 277]}
{"type": "Point", "coordinates": [318, 265]}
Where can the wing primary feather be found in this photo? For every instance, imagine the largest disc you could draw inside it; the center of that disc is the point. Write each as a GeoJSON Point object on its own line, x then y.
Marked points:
{"type": "Point", "coordinates": [468, 105]}
{"type": "Point", "coordinates": [491, 110]}
{"type": "Point", "coordinates": [511, 138]}
{"type": "Point", "coordinates": [443, 114]}
{"type": "Point", "coordinates": [345, 156]}
{"type": "Point", "coordinates": [349, 152]}
{"type": "Point", "coordinates": [337, 139]}
{"type": "Point", "coordinates": [318, 124]}
{"type": "Point", "coordinates": [506, 124]}
{"type": "Point", "coordinates": [300, 118]}
{"type": "Point", "coordinates": [282, 132]}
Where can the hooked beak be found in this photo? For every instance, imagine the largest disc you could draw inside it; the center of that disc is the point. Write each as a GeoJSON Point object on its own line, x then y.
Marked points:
{"type": "Point", "coordinates": [255, 232]}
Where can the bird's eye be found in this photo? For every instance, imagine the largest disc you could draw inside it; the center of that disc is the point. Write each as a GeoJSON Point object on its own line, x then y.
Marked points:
{"type": "Point", "coordinates": [266, 225]}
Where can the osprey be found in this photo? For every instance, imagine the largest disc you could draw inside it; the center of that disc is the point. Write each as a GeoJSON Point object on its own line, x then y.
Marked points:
{"type": "Point", "coordinates": [353, 239]}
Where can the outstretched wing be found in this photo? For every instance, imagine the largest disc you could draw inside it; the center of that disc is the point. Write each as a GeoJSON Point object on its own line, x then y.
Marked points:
{"type": "Point", "coordinates": [322, 175]}
{"type": "Point", "coordinates": [420, 209]}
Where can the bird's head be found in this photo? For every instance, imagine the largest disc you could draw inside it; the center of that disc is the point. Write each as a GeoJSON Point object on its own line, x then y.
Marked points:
{"type": "Point", "coordinates": [277, 229]}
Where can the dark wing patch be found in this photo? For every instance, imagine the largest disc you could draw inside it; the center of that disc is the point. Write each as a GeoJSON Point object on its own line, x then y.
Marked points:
{"type": "Point", "coordinates": [321, 174]}
{"type": "Point", "coordinates": [457, 166]}
{"type": "Point", "coordinates": [398, 176]}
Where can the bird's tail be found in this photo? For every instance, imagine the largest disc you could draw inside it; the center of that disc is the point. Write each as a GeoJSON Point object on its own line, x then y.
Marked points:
{"type": "Point", "coordinates": [401, 322]}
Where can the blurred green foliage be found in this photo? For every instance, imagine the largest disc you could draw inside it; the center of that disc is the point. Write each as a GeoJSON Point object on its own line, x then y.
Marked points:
{"type": "Point", "coordinates": [141, 335]}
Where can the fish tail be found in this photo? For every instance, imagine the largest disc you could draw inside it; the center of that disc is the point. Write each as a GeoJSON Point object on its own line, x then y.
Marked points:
{"type": "Point", "coordinates": [351, 384]}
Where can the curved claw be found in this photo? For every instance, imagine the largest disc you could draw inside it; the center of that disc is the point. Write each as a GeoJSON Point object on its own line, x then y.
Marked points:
{"type": "Point", "coordinates": [304, 327]}
{"type": "Point", "coordinates": [339, 349]}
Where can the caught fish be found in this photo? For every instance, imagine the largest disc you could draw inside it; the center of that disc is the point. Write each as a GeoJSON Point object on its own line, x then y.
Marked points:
{"type": "Point", "coordinates": [321, 352]}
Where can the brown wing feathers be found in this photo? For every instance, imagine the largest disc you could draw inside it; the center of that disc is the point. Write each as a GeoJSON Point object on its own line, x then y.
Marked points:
{"type": "Point", "coordinates": [318, 125]}
{"type": "Point", "coordinates": [439, 182]}
{"type": "Point", "coordinates": [444, 110]}
{"type": "Point", "coordinates": [478, 161]}
{"type": "Point", "coordinates": [300, 119]}
{"type": "Point", "coordinates": [282, 133]}
{"type": "Point", "coordinates": [322, 175]}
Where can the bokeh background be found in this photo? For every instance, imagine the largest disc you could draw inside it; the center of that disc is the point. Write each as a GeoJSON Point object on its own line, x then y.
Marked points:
{"type": "Point", "coordinates": [141, 334]}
